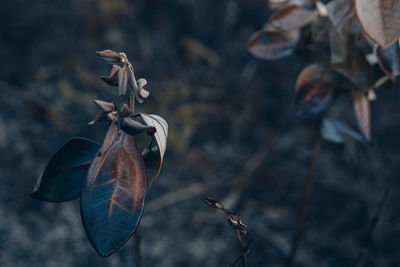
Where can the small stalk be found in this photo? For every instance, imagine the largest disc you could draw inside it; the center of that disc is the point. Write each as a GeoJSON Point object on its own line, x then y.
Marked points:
{"type": "Point", "coordinates": [308, 190]}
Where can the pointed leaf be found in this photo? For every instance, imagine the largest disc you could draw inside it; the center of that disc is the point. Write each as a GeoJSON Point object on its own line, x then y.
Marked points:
{"type": "Point", "coordinates": [63, 177]}
{"type": "Point", "coordinates": [389, 60]}
{"type": "Point", "coordinates": [109, 56]}
{"type": "Point", "coordinates": [333, 129]}
{"type": "Point", "coordinates": [122, 81]}
{"type": "Point", "coordinates": [155, 153]}
{"type": "Point", "coordinates": [270, 44]}
{"type": "Point", "coordinates": [291, 17]}
{"type": "Point", "coordinates": [363, 113]}
{"type": "Point", "coordinates": [113, 195]}
{"type": "Point", "coordinates": [380, 20]}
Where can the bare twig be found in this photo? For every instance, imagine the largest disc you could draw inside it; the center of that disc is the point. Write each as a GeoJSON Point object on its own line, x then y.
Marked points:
{"type": "Point", "coordinates": [237, 224]}
{"type": "Point", "coordinates": [309, 186]}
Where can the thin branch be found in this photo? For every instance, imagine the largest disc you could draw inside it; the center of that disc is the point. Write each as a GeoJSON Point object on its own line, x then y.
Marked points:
{"type": "Point", "coordinates": [308, 190]}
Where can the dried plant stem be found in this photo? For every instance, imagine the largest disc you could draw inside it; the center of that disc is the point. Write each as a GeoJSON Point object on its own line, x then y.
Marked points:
{"type": "Point", "coordinates": [308, 190]}
{"type": "Point", "coordinates": [138, 255]}
{"type": "Point", "coordinates": [373, 223]}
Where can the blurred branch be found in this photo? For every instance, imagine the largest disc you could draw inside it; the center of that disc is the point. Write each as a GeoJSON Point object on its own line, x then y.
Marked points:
{"type": "Point", "coordinates": [309, 186]}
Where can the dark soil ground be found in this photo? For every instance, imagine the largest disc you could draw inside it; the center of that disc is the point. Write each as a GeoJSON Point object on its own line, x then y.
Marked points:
{"type": "Point", "coordinates": [233, 137]}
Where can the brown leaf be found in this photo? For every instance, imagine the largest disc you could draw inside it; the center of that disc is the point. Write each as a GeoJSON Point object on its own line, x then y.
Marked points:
{"type": "Point", "coordinates": [291, 17]}
{"type": "Point", "coordinates": [363, 113]}
{"type": "Point", "coordinates": [380, 20]}
{"type": "Point", "coordinates": [389, 60]}
{"type": "Point", "coordinates": [316, 89]}
{"type": "Point", "coordinates": [112, 79]}
{"type": "Point", "coordinates": [154, 155]}
{"type": "Point", "coordinates": [109, 56]}
{"type": "Point", "coordinates": [122, 81]}
{"type": "Point", "coordinates": [270, 44]}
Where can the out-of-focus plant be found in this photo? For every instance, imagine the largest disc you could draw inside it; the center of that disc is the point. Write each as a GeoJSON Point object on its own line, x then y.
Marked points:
{"type": "Point", "coordinates": [344, 40]}
{"type": "Point", "coordinates": [111, 179]}
{"type": "Point", "coordinates": [237, 224]}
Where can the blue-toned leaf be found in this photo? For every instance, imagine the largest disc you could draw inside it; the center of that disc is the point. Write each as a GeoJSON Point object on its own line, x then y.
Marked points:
{"type": "Point", "coordinates": [113, 194]}
{"type": "Point", "coordinates": [63, 177]}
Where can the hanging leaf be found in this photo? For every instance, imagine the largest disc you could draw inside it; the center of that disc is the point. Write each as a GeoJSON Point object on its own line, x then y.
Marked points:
{"type": "Point", "coordinates": [109, 56]}
{"type": "Point", "coordinates": [380, 20]}
{"type": "Point", "coordinates": [112, 79]}
{"type": "Point", "coordinates": [291, 17]}
{"type": "Point", "coordinates": [316, 89]}
{"type": "Point", "coordinates": [113, 194]}
{"type": "Point", "coordinates": [154, 154]}
{"type": "Point", "coordinates": [122, 81]}
{"type": "Point", "coordinates": [270, 44]}
{"type": "Point", "coordinates": [63, 177]}
{"type": "Point", "coordinates": [389, 60]}
{"type": "Point", "coordinates": [333, 129]}
{"type": "Point", "coordinates": [363, 113]}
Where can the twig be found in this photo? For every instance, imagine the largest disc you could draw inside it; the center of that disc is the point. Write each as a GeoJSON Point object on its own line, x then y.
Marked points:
{"type": "Point", "coordinates": [373, 223]}
{"type": "Point", "coordinates": [309, 186]}
{"type": "Point", "coordinates": [138, 255]}
{"type": "Point", "coordinates": [245, 251]}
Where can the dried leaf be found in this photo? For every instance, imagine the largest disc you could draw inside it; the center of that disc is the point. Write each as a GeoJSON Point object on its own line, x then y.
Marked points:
{"type": "Point", "coordinates": [270, 44]}
{"type": "Point", "coordinates": [109, 56]}
{"type": "Point", "coordinates": [389, 60]}
{"type": "Point", "coordinates": [105, 106]}
{"type": "Point", "coordinates": [333, 129]}
{"type": "Point", "coordinates": [155, 153]}
{"type": "Point", "coordinates": [380, 20]}
{"type": "Point", "coordinates": [316, 89]}
{"type": "Point", "coordinates": [363, 113]}
{"type": "Point", "coordinates": [291, 17]}
{"type": "Point", "coordinates": [133, 127]}
{"type": "Point", "coordinates": [113, 194]}
{"type": "Point", "coordinates": [112, 79]}
{"type": "Point", "coordinates": [143, 93]}
{"type": "Point", "coordinates": [122, 81]}
{"type": "Point", "coordinates": [64, 174]}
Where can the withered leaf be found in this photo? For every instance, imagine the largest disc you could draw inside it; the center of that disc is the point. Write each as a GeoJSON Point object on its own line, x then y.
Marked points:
{"type": "Point", "coordinates": [362, 110]}
{"type": "Point", "coordinates": [154, 155]}
{"type": "Point", "coordinates": [316, 89]}
{"type": "Point", "coordinates": [113, 194]}
{"type": "Point", "coordinates": [333, 129]}
{"type": "Point", "coordinates": [63, 177]}
{"type": "Point", "coordinates": [291, 17]}
{"type": "Point", "coordinates": [122, 81]}
{"type": "Point", "coordinates": [112, 79]}
{"type": "Point", "coordinates": [109, 56]}
{"type": "Point", "coordinates": [270, 44]}
{"type": "Point", "coordinates": [133, 127]}
{"type": "Point", "coordinates": [389, 60]}
{"type": "Point", "coordinates": [143, 93]}
{"type": "Point", "coordinates": [380, 20]}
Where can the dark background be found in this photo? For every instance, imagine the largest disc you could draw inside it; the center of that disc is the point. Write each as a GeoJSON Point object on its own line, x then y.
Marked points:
{"type": "Point", "coordinates": [233, 137]}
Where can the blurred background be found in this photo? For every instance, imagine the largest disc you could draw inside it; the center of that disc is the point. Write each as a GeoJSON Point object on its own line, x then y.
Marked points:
{"type": "Point", "coordinates": [233, 137]}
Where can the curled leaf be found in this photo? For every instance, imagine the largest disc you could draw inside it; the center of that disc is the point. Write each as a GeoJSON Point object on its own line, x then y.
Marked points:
{"type": "Point", "coordinates": [333, 129]}
{"type": "Point", "coordinates": [112, 79]}
{"type": "Point", "coordinates": [122, 81]}
{"type": "Point", "coordinates": [105, 107]}
{"type": "Point", "coordinates": [380, 20]}
{"type": "Point", "coordinates": [133, 127]}
{"type": "Point", "coordinates": [143, 93]}
{"type": "Point", "coordinates": [154, 154]}
{"type": "Point", "coordinates": [109, 56]}
{"type": "Point", "coordinates": [270, 44]}
{"type": "Point", "coordinates": [389, 60]}
{"type": "Point", "coordinates": [363, 113]}
{"type": "Point", "coordinates": [63, 177]}
{"type": "Point", "coordinates": [316, 89]}
{"type": "Point", "coordinates": [291, 17]}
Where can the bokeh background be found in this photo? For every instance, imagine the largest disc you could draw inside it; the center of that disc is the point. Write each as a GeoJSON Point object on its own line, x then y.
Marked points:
{"type": "Point", "coordinates": [233, 137]}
